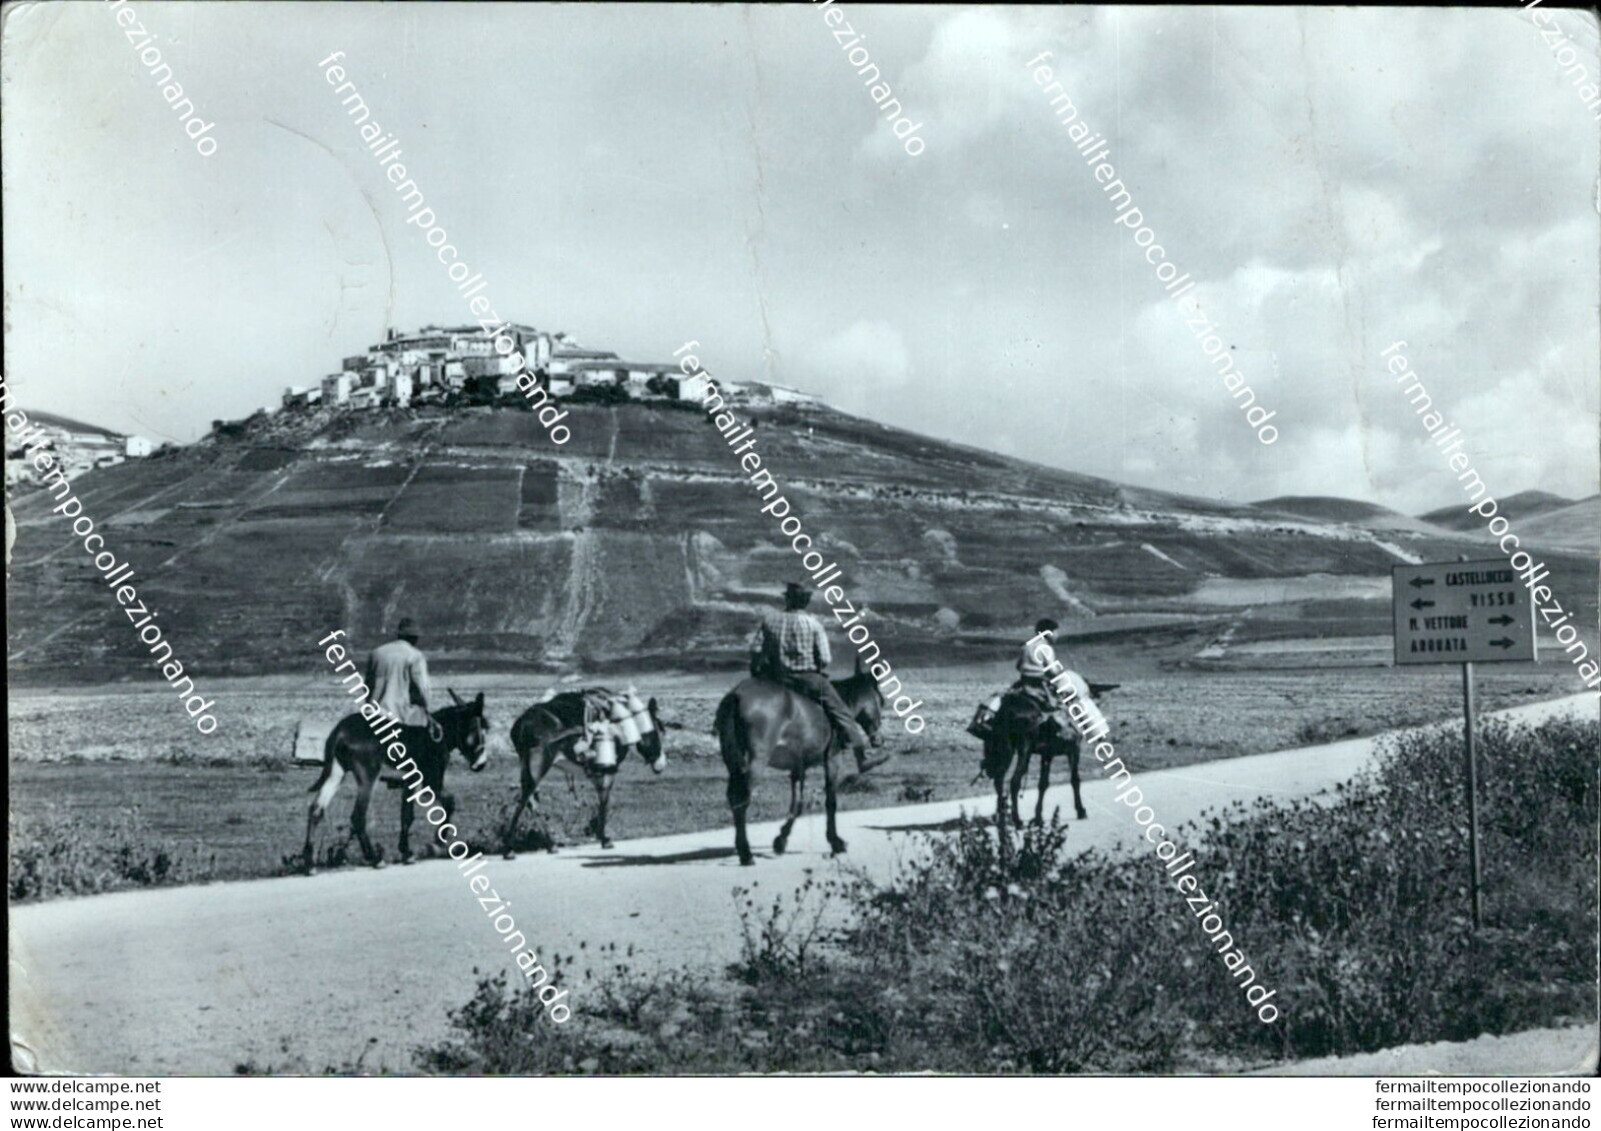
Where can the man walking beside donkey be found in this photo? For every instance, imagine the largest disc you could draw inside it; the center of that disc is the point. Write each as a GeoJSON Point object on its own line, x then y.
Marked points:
{"type": "Point", "coordinates": [397, 676]}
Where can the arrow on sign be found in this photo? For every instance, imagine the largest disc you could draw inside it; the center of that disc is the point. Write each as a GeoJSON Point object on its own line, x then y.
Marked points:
{"type": "Point", "coordinates": [1420, 582]}
{"type": "Point", "coordinates": [1502, 643]}
{"type": "Point", "coordinates": [1503, 619]}
{"type": "Point", "coordinates": [1420, 603]}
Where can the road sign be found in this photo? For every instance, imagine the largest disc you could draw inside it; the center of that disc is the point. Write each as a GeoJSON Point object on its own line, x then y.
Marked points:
{"type": "Point", "coordinates": [1461, 612]}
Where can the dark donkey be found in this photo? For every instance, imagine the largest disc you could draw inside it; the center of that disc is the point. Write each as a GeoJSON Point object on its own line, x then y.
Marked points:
{"type": "Point", "coordinates": [1020, 730]}
{"type": "Point", "coordinates": [553, 728]}
{"type": "Point", "coordinates": [352, 747]}
{"type": "Point", "coordinates": [763, 719]}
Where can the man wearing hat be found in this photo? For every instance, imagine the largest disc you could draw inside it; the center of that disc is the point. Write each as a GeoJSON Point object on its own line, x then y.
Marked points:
{"type": "Point", "coordinates": [397, 676]}
{"type": "Point", "coordinates": [791, 648]}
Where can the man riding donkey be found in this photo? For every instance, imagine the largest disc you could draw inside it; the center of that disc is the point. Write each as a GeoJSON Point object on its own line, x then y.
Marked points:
{"type": "Point", "coordinates": [791, 648]}
{"type": "Point", "coordinates": [791, 715]}
{"type": "Point", "coordinates": [1032, 717]}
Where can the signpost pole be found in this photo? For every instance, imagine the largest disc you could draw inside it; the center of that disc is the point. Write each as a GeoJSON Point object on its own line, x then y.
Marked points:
{"type": "Point", "coordinates": [1463, 613]}
{"type": "Point", "coordinates": [1470, 721]}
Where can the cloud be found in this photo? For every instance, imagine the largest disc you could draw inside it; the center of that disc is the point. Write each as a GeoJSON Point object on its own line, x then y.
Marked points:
{"type": "Point", "coordinates": [860, 365]}
{"type": "Point", "coordinates": [1333, 180]}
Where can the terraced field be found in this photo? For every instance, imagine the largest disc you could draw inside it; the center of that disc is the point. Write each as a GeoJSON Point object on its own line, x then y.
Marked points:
{"type": "Point", "coordinates": [641, 543]}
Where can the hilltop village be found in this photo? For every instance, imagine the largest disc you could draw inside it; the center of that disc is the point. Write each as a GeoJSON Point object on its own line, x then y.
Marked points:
{"type": "Point", "coordinates": [445, 365]}
{"type": "Point", "coordinates": [458, 364]}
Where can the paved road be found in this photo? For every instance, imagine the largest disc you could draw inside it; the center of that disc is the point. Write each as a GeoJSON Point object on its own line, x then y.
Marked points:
{"type": "Point", "coordinates": [304, 973]}
{"type": "Point", "coordinates": [1569, 1050]}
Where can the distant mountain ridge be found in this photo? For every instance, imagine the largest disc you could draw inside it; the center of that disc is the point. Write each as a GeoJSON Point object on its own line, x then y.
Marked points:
{"type": "Point", "coordinates": [1327, 507]}
{"type": "Point", "coordinates": [70, 425]}
{"type": "Point", "coordinates": [1331, 508]}
{"type": "Point", "coordinates": [1576, 526]}
{"type": "Point", "coordinates": [1525, 504]}
{"type": "Point", "coordinates": [1539, 518]}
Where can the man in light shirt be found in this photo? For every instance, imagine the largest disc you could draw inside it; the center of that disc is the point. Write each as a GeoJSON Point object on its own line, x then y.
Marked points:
{"type": "Point", "coordinates": [1037, 664]}
{"type": "Point", "coordinates": [1052, 685]}
{"type": "Point", "coordinates": [397, 675]}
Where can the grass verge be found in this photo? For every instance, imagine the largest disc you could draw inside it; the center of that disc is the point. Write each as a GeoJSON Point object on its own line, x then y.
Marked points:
{"type": "Point", "coordinates": [1353, 908]}
{"type": "Point", "coordinates": [55, 853]}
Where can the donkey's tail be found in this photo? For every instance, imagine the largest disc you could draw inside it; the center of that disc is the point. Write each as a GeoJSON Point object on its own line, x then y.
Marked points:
{"type": "Point", "coordinates": [327, 761]}
{"type": "Point", "coordinates": [729, 727]}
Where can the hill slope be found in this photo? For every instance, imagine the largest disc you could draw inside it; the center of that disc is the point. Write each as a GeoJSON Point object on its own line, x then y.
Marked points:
{"type": "Point", "coordinates": [1576, 526]}
{"type": "Point", "coordinates": [1326, 508]}
{"type": "Point", "coordinates": [641, 538]}
{"type": "Point", "coordinates": [1525, 505]}
{"type": "Point", "coordinates": [1538, 517]}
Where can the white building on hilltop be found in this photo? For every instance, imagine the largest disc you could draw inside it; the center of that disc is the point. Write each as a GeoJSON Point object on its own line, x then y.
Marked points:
{"type": "Point", "coordinates": [73, 446]}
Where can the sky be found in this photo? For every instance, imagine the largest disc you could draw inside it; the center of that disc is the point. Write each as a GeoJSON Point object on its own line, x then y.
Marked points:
{"type": "Point", "coordinates": [1333, 180]}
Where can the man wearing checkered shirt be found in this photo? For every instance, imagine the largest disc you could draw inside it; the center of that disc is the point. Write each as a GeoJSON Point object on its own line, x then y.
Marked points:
{"type": "Point", "coordinates": [791, 648]}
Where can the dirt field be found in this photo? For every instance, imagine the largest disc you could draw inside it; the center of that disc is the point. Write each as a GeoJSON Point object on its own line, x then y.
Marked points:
{"type": "Point", "coordinates": [233, 805]}
{"type": "Point", "coordinates": [202, 979]}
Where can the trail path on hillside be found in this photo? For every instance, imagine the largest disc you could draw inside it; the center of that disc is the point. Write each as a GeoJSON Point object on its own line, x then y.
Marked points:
{"type": "Point", "coordinates": [585, 579]}
{"type": "Point", "coordinates": [199, 979]}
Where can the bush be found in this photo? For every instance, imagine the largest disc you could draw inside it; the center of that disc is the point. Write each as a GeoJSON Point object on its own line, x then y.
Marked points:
{"type": "Point", "coordinates": [599, 394]}
{"type": "Point", "coordinates": [1353, 908]}
{"type": "Point", "coordinates": [56, 854]}
{"type": "Point", "coordinates": [1365, 903]}
{"type": "Point", "coordinates": [1029, 960]}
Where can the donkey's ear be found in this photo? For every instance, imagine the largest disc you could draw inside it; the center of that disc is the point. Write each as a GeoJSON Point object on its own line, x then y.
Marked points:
{"type": "Point", "coordinates": [480, 702]}
{"type": "Point", "coordinates": [663, 724]}
{"type": "Point", "coordinates": [454, 696]}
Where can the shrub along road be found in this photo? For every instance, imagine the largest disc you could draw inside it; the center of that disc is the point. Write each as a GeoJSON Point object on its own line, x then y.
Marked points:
{"type": "Point", "coordinates": [306, 973]}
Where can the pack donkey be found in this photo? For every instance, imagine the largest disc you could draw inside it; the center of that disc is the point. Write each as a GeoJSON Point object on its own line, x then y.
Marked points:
{"type": "Point", "coordinates": [552, 729]}
{"type": "Point", "coordinates": [1022, 728]}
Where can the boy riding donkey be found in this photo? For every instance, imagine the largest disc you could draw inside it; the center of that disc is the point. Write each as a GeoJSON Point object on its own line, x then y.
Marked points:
{"type": "Point", "coordinates": [1030, 717]}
